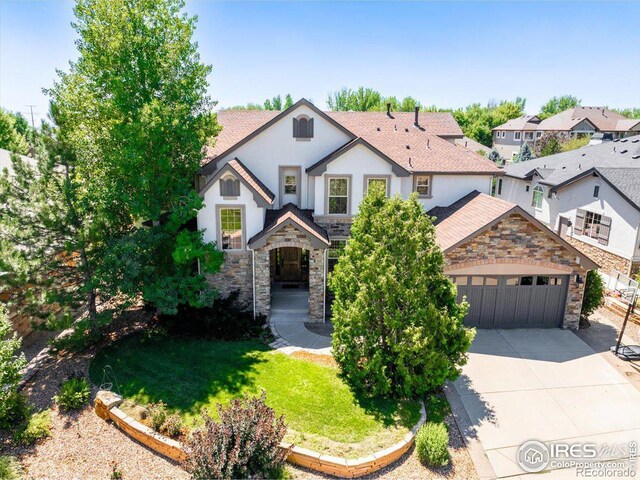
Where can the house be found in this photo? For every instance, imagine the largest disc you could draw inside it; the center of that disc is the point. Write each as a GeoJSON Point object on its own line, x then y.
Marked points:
{"type": "Point", "coordinates": [589, 196]}
{"type": "Point", "coordinates": [509, 137]}
{"type": "Point", "coordinates": [280, 191]}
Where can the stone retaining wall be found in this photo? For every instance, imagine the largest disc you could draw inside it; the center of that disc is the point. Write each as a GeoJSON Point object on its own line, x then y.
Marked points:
{"type": "Point", "coordinates": [106, 407]}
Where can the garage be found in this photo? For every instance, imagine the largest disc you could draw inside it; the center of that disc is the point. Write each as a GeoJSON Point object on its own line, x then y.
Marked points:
{"type": "Point", "coordinates": [513, 301]}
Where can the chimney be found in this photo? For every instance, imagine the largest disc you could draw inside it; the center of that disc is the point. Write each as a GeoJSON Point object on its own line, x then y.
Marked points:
{"type": "Point", "coordinates": [416, 120]}
{"type": "Point", "coordinates": [388, 109]}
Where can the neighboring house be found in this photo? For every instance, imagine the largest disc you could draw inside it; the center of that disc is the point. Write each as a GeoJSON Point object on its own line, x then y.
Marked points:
{"type": "Point", "coordinates": [509, 137]}
{"type": "Point", "coordinates": [474, 146]}
{"type": "Point", "coordinates": [281, 188]}
{"type": "Point", "coordinates": [5, 160]}
{"type": "Point", "coordinates": [590, 196]}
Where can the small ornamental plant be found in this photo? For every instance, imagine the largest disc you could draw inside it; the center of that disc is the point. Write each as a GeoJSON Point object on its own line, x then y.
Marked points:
{"type": "Point", "coordinates": [74, 394]}
{"type": "Point", "coordinates": [431, 444]}
{"type": "Point", "coordinates": [244, 443]}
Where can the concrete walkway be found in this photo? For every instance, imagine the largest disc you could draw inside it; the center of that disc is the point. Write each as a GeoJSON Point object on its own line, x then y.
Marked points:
{"type": "Point", "coordinates": [545, 385]}
{"type": "Point", "coordinates": [289, 312]}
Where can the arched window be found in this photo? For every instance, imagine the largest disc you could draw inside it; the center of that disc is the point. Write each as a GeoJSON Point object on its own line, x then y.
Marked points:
{"type": "Point", "coordinates": [229, 187]}
{"type": "Point", "coordinates": [303, 127]}
{"type": "Point", "coordinates": [538, 193]}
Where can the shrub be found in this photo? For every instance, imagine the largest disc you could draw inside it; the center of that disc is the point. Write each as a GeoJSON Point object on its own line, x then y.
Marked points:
{"type": "Point", "coordinates": [36, 427]}
{"type": "Point", "coordinates": [74, 393]}
{"type": "Point", "coordinates": [398, 327]}
{"type": "Point", "coordinates": [172, 425]}
{"type": "Point", "coordinates": [226, 319]}
{"type": "Point", "coordinates": [593, 293]}
{"type": "Point", "coordinates": [431, 444]}
{"type": "Point", "coordinates": [243, 444]}
{"type": "Point", "coordinates": [10, 469]}
{"type": "Point", "coordinates": [158, 415]}
{"type": "Point", "coordinates": [12, 405]}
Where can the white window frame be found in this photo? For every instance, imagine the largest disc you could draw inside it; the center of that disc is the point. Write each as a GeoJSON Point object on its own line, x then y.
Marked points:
{"type": "Point", "coordinates": [241, 208]}
{"type": "Point", "coordinates": [595, 226]}
{"type": "Point", "coordinates": [538, 134]}
{"type": "Point", "coordinates": [517, 135]}
{"type": "Point", "coordinates": [538, 192]}
{"type": "Point", "coordinates": [504, 134]}
{"type": "Point", "coordinates": [528, 134]}
{"type": "Point", "coordinates": [329, 179]}
{"type": "Point", "coordinates": [429, 178]}
{"type": "Point", "coordinates": [295, 184]}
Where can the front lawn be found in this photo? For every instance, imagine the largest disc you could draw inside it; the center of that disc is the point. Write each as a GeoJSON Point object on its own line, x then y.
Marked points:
{"type": "Point", "coordinates": [320, 410]}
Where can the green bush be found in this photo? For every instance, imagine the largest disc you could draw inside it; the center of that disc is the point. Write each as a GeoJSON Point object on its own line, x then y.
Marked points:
{"type": "Point", "coordinates": [593, 293]}
{"type": "Point", "coordinates": [36, 427]}
{"type": "Point", "coordinates": [12, 405]}
{"type": "Point", "coordinates": [10, 469]}
{"type": "Point", "coordinates": [13, 410]}
{"type": "Point", "coordinates": [74, 393]}
{"type": "Point", "coordinates": [243, 444]}
{"type": "Point", "coordinates": [431, 444]}
{"type": "Point", "coordinates": [158, 415]}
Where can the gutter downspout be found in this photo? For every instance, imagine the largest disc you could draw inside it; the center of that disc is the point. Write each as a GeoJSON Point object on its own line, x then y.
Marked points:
{"type": "Point", "coordinates": [253, 278]}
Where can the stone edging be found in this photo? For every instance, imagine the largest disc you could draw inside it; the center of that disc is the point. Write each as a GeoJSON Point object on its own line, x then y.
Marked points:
{"type": "Point", "coordinates": [37, 362]}
{"type": "Point", "coordinates": [106, 407]}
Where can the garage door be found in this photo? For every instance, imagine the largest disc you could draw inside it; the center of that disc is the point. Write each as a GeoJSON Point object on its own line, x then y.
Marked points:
{"type": "Point", "coordinates": [529, 301]}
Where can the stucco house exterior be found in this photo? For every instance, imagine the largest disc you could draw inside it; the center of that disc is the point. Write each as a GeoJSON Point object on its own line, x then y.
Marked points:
{"type": "Point", "coordinates": [589, 196]}
{"type": "Point", "coordinates": [281, 188]}
{"type": "Point", "coordinates": [509, 137]}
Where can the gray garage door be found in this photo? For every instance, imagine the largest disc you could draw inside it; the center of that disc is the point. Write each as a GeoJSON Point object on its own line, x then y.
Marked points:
{"type": "Point", "coordinates": [513, 301]}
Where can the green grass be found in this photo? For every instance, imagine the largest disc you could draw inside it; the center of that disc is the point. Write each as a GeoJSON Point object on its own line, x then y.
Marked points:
{"type": "Point", "coordinates": [189, 375]}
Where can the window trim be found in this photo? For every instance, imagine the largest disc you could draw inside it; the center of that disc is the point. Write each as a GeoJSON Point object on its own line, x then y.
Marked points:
{"type": "Point", "coordinates": [593, 214]}
{"type": "Point", "coordinates": [517, 135]}
{"type": "Point", "coordinates": [596, 191]}
{"type": "Point", "coordinates": [327, 179]}
{"type": "Point", "coordinates": [415, 185]}
{"type": "Point", "coordinates": [538, 189]}
{"type": "Point", "coordinates": [365, 187]}
{"type": "Point", "coordinates": [335, 239]}
{"type": "Point", "coordinates": [281, 170]}
{"type": "Point", "coordinates": [504, 134]}
{"type": "Point", "coordinates": [528, 133]}
{"type": "Point", "coordinates": [500, 186]}
{"type": "Point", "coordinates": [243, 225]}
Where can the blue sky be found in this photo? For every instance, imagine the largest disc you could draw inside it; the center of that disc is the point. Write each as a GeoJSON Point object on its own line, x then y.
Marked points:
{"type": "Point", "coordinates": [448, 54]}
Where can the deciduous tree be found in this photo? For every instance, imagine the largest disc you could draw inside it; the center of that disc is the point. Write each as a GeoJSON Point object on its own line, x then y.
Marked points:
{"type": "Point", "coordinates": [558, 104]}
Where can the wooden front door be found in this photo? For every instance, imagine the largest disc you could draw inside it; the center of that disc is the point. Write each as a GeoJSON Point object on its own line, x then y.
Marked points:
{"type": "Point", "coordinates": [290, 264]}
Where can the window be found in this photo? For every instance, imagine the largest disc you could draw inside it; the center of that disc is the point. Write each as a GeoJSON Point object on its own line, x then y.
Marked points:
{"type": "Point", "coordinates": [592, 224]}
{"type": "Point", "coordinates": [538, 134]}
{"type": "Point", "coordinates": [303, 127]}
{"type": "Point", "coordinates": [491, 281]}
{"type": "Point", "coordinates": [231, 228]}
{"type": "Point", "coordinates": [528, 135]}
{"type": "Point", "coordinates": [335, 252]}
{"type": "Point", "coordinates": [338, 196]}
{"type": "Point", "coordinates": [596, 191]}
{"type": "Point", "coordinates": [504, 134]}
{"type": "Point", "coordinates": [517, 135]}
{"type": "Point", "coordinates": [423, 185]}
{"type": "Point", "coordinates": [229, 187]}
{"type": "Point", "coordinates": [380, 181]}
{"type": "Point", "coordinates": [499, 186]}
{"type": "Point", "coordinates": [555, 281]}
{"type": "Point", "coordinates": [477, 281]}
{"type": "Point", "coordinates": [462, 281]}
{"type": "Point", "coordinates": [498, 134]}
{"type": "Point", "coordinates": [526, 281]}
{"type": "Point", "coordinates": [290, 186]}
{"type": "Point", "coordinates": [541, 280]}
{"type": "Point", "coordinates": [526, 188]}
{"type": "Point", "coordinates": [537, 197]}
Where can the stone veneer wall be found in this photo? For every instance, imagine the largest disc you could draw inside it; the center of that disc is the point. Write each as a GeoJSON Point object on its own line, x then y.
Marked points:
{"type": "Point", "coordinates": [606, 260]}
{"type": "Point", "coordinates": [290, 237]}
{"type": "Point", "coordinates": [335, 226]}
{"type": "Point", "coordinates": [236, 273]}
{"type": "Point", "coordinates": [516, 240]}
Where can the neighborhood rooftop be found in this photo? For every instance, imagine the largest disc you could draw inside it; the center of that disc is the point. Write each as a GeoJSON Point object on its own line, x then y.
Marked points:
{"type": "Point", "coordinates": [617, 161]}
{"type": "Point", "coordinates": [602, 118]}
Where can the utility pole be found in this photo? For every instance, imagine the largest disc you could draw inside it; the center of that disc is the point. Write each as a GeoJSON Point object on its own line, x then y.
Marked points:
{"type": "Point", "coordinates": [33, 124]}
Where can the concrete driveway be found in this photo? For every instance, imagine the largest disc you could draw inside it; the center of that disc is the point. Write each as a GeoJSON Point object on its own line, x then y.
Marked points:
{"type": "Point", "coordinates": [545, 385]}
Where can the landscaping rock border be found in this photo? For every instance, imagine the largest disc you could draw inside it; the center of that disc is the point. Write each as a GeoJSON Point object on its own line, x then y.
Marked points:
{"type": "Point", "coordinates": [106, 407]}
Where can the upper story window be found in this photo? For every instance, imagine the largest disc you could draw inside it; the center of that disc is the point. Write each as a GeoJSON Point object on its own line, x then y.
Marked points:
{"type": "Point", "coordinates": [593, 225]}
{"type": "Point", "coordinates": [231, 234]}
{"type": "Point", "coordinates": [381, 182]}
{"type": "Point", "coordinates": [338, 196]}
{"type": "Point", "coordinates": [517, 135]}
{"type": "Point", "coordinates": [538, 134]}
{"type": "Point", "coordinates": [229, 187]}
{"type": "Point", "coordinates": [290, 184]}
{"type": "Point", "coordinates": [596, 191]}
{"type": "Point", "coordinates": [303, 127]}
{"type": "Point", "coordinates": [538, 193]}
{"type": "Point", "coordinates": [528, 135]}
{"type": "Point", "coordinates": [499, 186]}
{"type": "Point", "coordinates": [504, 134]}
{"type": "Point", "coordinates": [423, 185]}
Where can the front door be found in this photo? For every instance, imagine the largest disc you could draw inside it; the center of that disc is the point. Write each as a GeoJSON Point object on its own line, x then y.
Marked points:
{"type": "Point", "coordinates": [290, 264]}
{"type": "Point", "coordinates": [289, 186]}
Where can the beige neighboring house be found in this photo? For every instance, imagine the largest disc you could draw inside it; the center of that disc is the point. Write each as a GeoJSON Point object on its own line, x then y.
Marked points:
{"type": "Point", "coordinates": [575, 122]}
{"type": "Point", "coordinates": [281, 189]}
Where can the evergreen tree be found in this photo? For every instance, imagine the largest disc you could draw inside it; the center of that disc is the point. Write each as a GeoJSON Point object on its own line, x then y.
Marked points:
{"type": "Point", "coordinates": [12, 404]}
{"type": "Point", "coordinates": [495, 157]}
{"type": "Point", "coordinates": [398, 328]}
{"type": "Point", "coordinates": [524, 154]}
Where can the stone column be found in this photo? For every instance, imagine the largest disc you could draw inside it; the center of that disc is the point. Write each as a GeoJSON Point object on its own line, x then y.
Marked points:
{"type": "Point", "coordinates": [574, 300]}
{"type": "Point", "coordinates": [263, 282]}
{"type": "Point", "coordinates": [316, 285]}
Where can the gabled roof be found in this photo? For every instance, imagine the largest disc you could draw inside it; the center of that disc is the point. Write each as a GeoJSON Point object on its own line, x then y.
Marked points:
{"type": "Point", "coordinates": [276, 220]}
{"type": "Point", "coordinates": [414, 149]}
{"type": "Point", "coordinates": [477, 212]}
{"type": "Point", "coordinates": [234, 140]}
{"type": "Point", "coordinates": [618, 162]}
{"type": "Point", "coordinates": [320, 166]}
{"type": "Point", "coordinates": [261, 194]}
{"type": "Point", "coordinates": [525, 122]}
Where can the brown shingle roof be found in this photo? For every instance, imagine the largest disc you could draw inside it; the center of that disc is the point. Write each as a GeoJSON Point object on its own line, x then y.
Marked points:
{"type": "Point", "coordinates": [466, 216]}
{"type": "Point", "coordinates": [414, 149]}
{"type": "Point", "coordinates": [602, 118]}
{"type": "Point", "coordinates": [245, 176]}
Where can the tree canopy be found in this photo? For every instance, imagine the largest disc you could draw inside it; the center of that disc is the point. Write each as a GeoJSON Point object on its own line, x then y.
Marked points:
{"type": "Point", "coordinates": [14, 132]}
{"type": "Point", "coordinates": [559, 104]}
{"type": "Point", "coordinates": [398, 327]}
